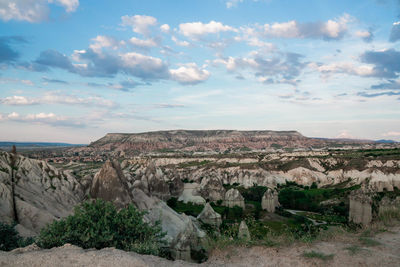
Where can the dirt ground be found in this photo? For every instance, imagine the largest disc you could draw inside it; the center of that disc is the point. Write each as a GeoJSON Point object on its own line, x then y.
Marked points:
{"type": "Point", "coordinates": [382, 249]}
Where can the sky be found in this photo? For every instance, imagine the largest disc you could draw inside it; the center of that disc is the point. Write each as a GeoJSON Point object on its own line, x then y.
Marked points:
{"type": "Point", "coordinates": [74, 70]}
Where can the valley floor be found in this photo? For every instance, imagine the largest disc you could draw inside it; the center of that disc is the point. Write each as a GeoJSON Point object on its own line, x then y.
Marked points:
{"type": "Point", "coordinates": [383, 249]}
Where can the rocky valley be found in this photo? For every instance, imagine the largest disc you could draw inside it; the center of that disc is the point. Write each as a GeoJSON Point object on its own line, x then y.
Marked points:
{"type": "Point", "coordinates": [189, 193]}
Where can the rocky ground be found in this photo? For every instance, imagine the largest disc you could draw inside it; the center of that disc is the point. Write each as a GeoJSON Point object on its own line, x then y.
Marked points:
{"type": "Point", "coordinates": [347, 250]}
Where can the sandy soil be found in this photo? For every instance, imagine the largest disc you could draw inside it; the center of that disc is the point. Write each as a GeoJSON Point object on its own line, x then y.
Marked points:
{"type": "Point", "coordinates": [384, 253]}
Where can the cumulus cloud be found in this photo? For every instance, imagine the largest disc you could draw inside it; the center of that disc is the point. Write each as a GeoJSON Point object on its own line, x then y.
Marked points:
{"type": "Point", "coordinates": [178, 42]}
{"type": "Point", "coordinates": [330, 30]}
{"type": "Point", "coordinates": [386, 62]}
{"type": "Point", "coordinates": [195, 30]}
{"type": "Point", "coordinates": [139, 23]}
{"type": "Point", "coordinates": [280, 68]}
{"type": "Point", "coordinates": [342, 67]}
{"type": "Point", "coordinates": [395, 32]}
{"type": "Point", "coordinates": [165, 28]}
{"type": "Point", "coordinates": [32, 10]}
{"type": "Point", "coordinates": [43, 118]}
{"type": "Point", "coordinates": [367, 36]}
{"type": "Point", "coordinates": [189, 74]}
{"type": "Point", "coordinates": [142, 43]}
{"type": "Point", "coordinates": [102, 41]}
{"type": "Point", "coordinates": [7, 52]}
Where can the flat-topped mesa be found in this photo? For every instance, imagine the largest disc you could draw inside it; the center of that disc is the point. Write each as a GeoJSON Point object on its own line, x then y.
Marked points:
{"type": "Point", "coordinates": [201, 140]}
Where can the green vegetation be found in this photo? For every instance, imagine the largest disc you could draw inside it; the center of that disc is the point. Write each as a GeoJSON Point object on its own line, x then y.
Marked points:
{"type": "Point", "coordinates": [9, 238]}
{"type": "Point", "coordinates": [354, 249]}
{"type": "Point", "coordinates": [318, 255]}
{"type": "Point", "coordinates": [98, 224]}
{"type": "Point", "coordinates": [193, 163]}
{"type": "Point", "coordinates": [369, 242]}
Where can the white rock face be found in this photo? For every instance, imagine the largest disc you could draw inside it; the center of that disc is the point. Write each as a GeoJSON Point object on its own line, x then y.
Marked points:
{"type": "Point", "coordinates": [190, 194]}
{"type": "Point", "coordinates": [42, 192]}
{"type": "Point", "coordinates": [183, 236]}
{"type": "Point", "coordinates": [360, 208]}
{"type": "Point", "coordinates": [244, 232]}
{"type": "Point", "coordinates": [209, 216]}
{"type": "Point", "coordinates": [270, 201]}
{"type": "Point", "coordinates": [233, 198]}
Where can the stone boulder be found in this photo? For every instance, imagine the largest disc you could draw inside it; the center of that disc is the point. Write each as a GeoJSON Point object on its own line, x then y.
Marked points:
{"type": "Point", "coordinates": [190, 194]}
{"type": "Point", "coordinates": [110, 184]}
{"type": "Point", "coordinates": [270, 201]}
{"type": "Point", "coordinates": [244, 232]}
{"type": "Point", "coordinates": [183, 236]}
{"type": "Point", "coordinates": [233, 198]}
{"type": "Point", "coordinates": [360, 207]}
{"type": "Point", "coordinates": [209, 216]}
{"type": "Point", "coordinates": [211, 188]}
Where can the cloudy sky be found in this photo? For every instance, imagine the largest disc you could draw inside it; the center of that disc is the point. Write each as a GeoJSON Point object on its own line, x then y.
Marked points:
{"type": "Point", "coordinates": [74, 70]}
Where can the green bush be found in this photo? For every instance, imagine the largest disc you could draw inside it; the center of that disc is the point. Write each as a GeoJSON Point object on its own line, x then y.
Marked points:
{"type": "Point", "coordinates": [98, 224]}
{"type": "Point", "coordinates": [9, 238]}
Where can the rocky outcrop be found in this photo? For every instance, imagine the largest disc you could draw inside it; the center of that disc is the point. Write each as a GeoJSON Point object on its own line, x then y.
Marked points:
{"type": "Point", "coordinates": [42, 193]}
{"type": "Point", "coordinates": [176, 186]}
{"type": "Point", "coordinates": [209, 216]}
{"type": "Point", "coordinates": [360, 211]}
{"type": "Point", "coordinates": [183, 236]}
{"type": "Point", "coordinates": [190, 194]}
{"type": "Point", "coordinates": [110, 184]}
{"type": "Point", "coordinates": [211, 188]}
{"type": "Point", "coordinates": [389, 205]}
{"type": "Point", "coordinates": [244, 232]}
{"type": "Point", "coordinates": [233, 198]}
{"type": "Point", "coordinates": [270, 200]}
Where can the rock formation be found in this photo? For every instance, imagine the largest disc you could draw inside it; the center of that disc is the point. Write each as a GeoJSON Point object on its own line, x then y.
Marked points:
{"type": "Point", "coordinates": [244, 232]}
{"type": "Point", "coordinates": [110, 184]}
{"type": "Point", "coordinates": [234, 198]}
{"type": "Point", "coordinates": [190, 194]}
{"type": "Point", "coordinates": [42, 193]}
{"type": "Point", "coordinates": [270, 201]}
{"type": "Point", "coordinates": [209, 216]}
{"type": "Point", "coordinates": [211, 188]}
{"type": "Point", "coordinates": [183, 236]}
{"type": "Point", "coordinates": [360, 211]}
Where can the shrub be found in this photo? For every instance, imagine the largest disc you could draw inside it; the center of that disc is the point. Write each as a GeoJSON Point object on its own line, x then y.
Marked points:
{"type": "Point", "coordinates": [9, 238]}
{"type": "Point", "coordinates": [98, 224]}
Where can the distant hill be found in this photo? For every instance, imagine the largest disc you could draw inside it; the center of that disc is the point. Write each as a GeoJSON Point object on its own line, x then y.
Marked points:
{"type": "Point", "coordinates": [386, 141]}
{"type": "Point", "coordinates": [6, 145]}
{"type": "Point", "coordinates": [213, 140]}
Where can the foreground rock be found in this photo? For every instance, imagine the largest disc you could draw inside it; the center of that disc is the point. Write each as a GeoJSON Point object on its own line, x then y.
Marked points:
{"type": "Point", "coordinates": [34, 193]}
{"type": "Point", "coordinates": [110, 184]}
{"type": "Point", "coordinates": [360, 211]}
{"type": "Point", "coordinates": [209, 216]}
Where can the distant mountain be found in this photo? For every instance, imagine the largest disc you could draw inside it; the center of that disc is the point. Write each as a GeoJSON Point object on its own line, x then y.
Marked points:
{"type": "Point", "coordinates": [8, 144]}
{"type": "Point", "coordinates": [385, 141]}
{"type": "Point", "coordinates": [212, 140]}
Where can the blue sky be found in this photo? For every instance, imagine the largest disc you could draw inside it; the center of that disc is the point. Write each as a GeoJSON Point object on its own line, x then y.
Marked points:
{"type": "Point", "coordinates": [75, 70]}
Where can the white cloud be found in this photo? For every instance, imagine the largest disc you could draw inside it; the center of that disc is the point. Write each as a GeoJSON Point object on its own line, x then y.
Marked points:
{"type": "Point", "coordinates": [58, 98]}
{"type": "Point", "coordinates": [142, 43]}
{"type": "Point", "coordinates": [343, 67]}
{"type": "Point", "coordinates": [105, 41]}
{"type": "Point", "coordinates": [165, 28]}
{"type": "Point", "coordinates": [139, 23]}
{"type": "Point", "coordinates": [331, 29]}
{"type": "Point", "coordinates": [195, 30]}
{"type": "Point", "coordinates": [345, 134]}
{"type": "Point", "coordinates": [180, 43]}
{"type": "Point", "coordinates": [189, 74]}
{"type": "Point", "coordinates": [363, 34]}
{"type": "Point", "coordinates": [32, 10]}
